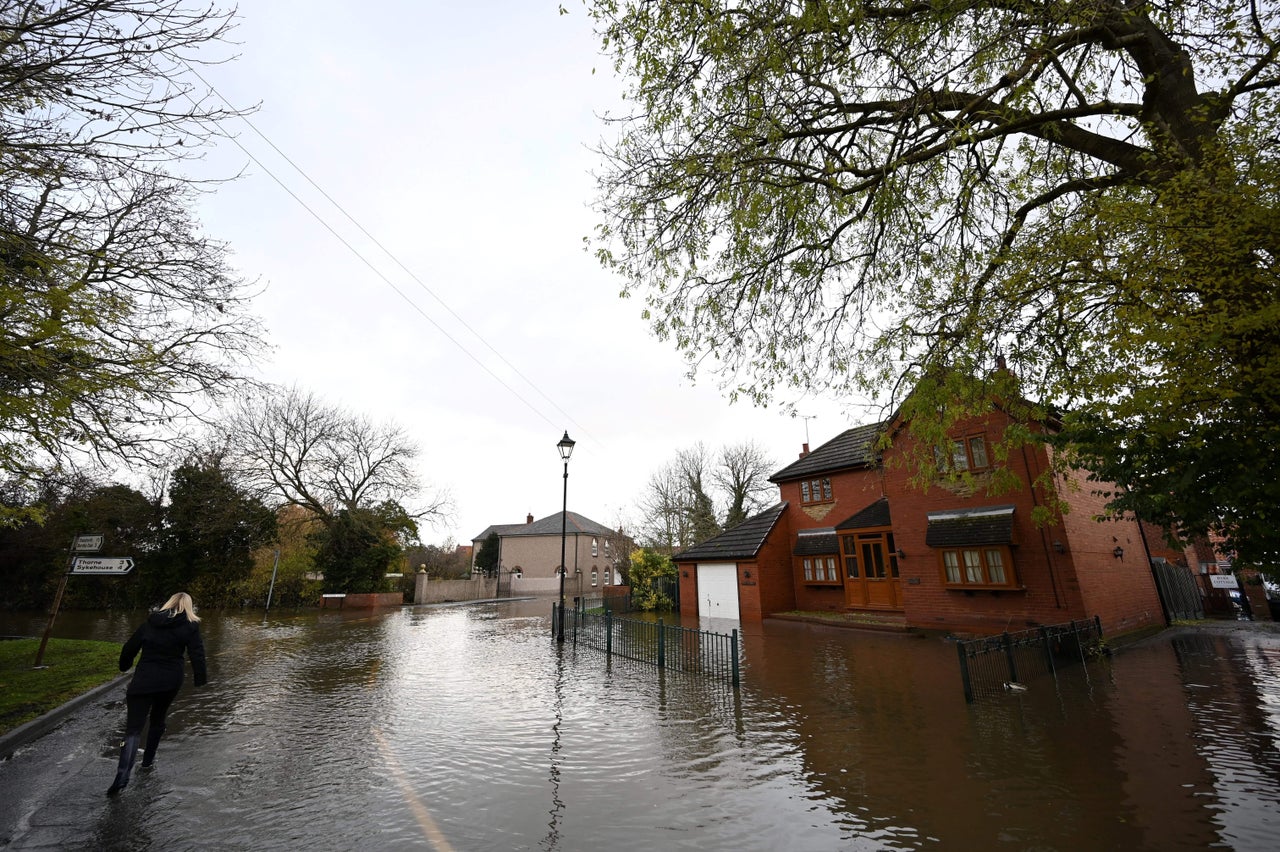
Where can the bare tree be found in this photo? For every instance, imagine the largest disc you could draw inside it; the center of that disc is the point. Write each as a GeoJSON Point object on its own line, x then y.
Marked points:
{"type": "Point", "coordinates": [294, 448]}
{"type": "Point", "coordinates": [664, 510]}
{"type": "Point", "coordinates": [118, 318]}
{"type": "Point", "coordinates": [678, 506]}
{"type": "Point", "coordinates": [743, 476]}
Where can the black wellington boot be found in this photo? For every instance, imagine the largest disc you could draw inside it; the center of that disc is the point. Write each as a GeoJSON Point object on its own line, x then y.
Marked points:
{"type": "Point", "coordinates": [127, 753]}
{"type": "Point", "coordinates": [154, 733]}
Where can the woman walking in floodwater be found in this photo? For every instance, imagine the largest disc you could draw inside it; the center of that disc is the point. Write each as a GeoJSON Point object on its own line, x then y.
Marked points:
{"type": "Point", "coordinates": [166, 635]}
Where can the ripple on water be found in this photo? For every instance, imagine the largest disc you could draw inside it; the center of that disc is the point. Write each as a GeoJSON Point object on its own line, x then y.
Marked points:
{"type": "Point", "coordinates": [332, 731]}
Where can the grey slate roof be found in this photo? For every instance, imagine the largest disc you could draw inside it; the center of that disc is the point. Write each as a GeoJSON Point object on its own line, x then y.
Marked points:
{"type": "Point", "coordinates": [819, 542]}
{"type": "Point", "coordinates": [969, 527]}
{"type": "Point", "coordinates": [875, 515]}
{"type": "Point", "coordinates": [851, 448]}
{"type": "Point", "coordinates": [741, 542]}
{"type": "Point", "coordinates": [549, 525]}
{"type": "Point", "coordinates": [500, 529]}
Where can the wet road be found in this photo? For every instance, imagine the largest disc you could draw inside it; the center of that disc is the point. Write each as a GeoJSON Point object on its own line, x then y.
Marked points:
{"type": "Point", "coordinates": [466, 728]}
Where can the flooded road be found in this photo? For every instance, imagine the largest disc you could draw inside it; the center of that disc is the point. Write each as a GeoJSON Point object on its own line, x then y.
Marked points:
{"type": "Point", "coordinates": [468, 728]}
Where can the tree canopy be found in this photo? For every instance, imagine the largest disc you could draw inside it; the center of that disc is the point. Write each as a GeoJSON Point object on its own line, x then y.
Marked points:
{"type": "Point", "coordinates": [355, 477]}
{"type": "Point", "coordinates": [647, 569]}
{"type": "Point", "coordinates": [678, 507]}
{"type": "Point", "coordinates": [118, 316]}
{"type": "Point", "coordinates": [847, 196]}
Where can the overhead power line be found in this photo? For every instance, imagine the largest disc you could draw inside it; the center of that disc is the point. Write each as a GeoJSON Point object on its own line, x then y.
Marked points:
{"type": "Point", "coordinates": [363, 259]}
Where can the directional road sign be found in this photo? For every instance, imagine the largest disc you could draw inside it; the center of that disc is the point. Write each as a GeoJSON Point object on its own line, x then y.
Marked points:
{"type": "Point", "coordinates": [102, 565]}
{"type": "Point", "coordinates": [88, 543]}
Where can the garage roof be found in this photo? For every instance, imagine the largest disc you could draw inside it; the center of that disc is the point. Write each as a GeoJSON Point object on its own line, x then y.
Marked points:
{"type": "Point", "coordinates": [741, 542]}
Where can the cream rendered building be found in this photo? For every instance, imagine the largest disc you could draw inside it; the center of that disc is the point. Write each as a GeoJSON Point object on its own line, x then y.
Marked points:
{"type": "Point", "coordinates": [529, 555]}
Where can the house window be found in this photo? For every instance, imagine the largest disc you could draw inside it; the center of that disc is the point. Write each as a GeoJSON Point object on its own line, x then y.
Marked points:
{"type": "Point", "coordinates": [967, 453]}
{"type": "Point", "coordinates": [978, 452]}
{"type": "Point", "coordinates": [977, 566]}
{"type": "Point", "coordinates": [849, 546]}
{"type": "Point", "coordinates": [608, 577]}
{"type": "Point", "coordinates": [821, 569]}
{"type": "Point", "coordinates": [606, 547]}
{"type": "Point", "coordinates": [815, 490]}
{"type": "Point", "coordinates": [595, 547]}
{"type": "Point", "coordinates": [595, 576]}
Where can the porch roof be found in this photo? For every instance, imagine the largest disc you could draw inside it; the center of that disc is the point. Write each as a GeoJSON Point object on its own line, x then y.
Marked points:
{"type": "Point", "coordinates": [875, 515]}
{"type": "Point", "coordinates": [968, 527]}
{"type": "Point", "coordinates": [818, 542]}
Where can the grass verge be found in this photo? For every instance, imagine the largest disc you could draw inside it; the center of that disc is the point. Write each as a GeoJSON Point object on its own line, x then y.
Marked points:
{"type": "Point", "coordinates": [72, 667]}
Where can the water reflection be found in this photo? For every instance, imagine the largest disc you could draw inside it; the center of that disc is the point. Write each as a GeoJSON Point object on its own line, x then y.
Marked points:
{"type": "Point", "coordinates": [469, 728]}
{"type": "Point", "coordinates": [552, 840]}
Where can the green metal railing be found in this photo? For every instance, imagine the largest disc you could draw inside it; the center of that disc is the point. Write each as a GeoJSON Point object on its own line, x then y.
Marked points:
{"type": "Point", "coordinates": [995, 664]}
{"type": "Point", "coordinates": [667, 646]}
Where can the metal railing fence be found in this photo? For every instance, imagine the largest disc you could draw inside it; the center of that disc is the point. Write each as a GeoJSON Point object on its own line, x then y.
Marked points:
{"type": "Point", "coordinates": [994, 664]}
{"type": "Point", "coordinates": [667, 646]}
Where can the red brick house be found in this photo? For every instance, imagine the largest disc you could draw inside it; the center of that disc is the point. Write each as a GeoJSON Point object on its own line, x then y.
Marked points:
{"type": "Point", "coordinates": [851, 534]}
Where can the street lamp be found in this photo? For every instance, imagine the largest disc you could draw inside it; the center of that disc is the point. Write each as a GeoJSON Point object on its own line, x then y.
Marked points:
{"type": "Point", "coordinates": [566, 449]}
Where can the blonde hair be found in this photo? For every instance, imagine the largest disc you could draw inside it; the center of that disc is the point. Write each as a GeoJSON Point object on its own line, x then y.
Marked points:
{"type": "Point", "coordinates": [181, 602]}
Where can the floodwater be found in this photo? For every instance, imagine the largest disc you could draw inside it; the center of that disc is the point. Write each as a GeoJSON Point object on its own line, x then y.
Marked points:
{"type": "Point", "coordinates": [468, 728]}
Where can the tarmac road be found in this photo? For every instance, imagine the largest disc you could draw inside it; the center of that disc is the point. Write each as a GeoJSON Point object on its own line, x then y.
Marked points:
{"type": "Point", "coordinates": [52, 789]}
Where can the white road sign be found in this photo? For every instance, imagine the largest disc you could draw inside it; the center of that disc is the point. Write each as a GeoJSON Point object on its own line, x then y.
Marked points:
{"type": "Point", "coordinates": [102, 565]}
{"type": "Point", "coordinates": [88, 543]}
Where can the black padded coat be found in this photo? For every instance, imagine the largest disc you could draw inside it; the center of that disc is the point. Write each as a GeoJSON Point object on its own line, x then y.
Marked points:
{"type": "Point", "coordinates": [163, 639]}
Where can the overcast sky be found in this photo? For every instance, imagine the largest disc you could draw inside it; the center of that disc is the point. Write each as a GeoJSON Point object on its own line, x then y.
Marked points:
{"type": "Point", "coordinates": [459, 136]}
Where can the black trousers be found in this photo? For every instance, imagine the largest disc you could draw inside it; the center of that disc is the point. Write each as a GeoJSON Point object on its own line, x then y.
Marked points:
{"type": "Point", "coordinates": [153, 705]}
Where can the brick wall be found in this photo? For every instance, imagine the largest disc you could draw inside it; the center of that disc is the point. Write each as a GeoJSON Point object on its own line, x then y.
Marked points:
{"type": "Point", "coordinates": [362, 600]}
{"type": "Point", "coordinates": [776, 591]}
{"type": "Point", "coordinates": [688, 573]}
{"type": "Point", "coordinates": [1048, 591]}
{"type": "Point", "coordinates": [1158, 547]}
{"type": "Point", "coordinates": [851, 492]}
{"type": "Point", "coordinates": [1119, 590]}
{"type": "Point", "coordinates": [764, 584]}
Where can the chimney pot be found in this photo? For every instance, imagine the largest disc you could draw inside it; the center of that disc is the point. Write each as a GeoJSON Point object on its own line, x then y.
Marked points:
{"type": "Point", "coordinates": [529, 519]}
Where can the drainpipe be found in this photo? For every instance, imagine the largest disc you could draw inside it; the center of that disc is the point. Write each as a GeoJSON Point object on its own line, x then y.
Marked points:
{"type": "Point", "coordinates": [1044, 535]}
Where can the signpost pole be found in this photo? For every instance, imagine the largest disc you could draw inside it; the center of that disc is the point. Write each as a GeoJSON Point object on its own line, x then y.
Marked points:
{"type": "Point", "coordinates": [57, 601]}
{"type": "Point", "coordinates": [271, 590]}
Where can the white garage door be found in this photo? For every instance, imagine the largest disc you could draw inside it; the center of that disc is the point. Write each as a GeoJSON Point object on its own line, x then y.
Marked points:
{"type": "Point", "coordinates": [718, 591]}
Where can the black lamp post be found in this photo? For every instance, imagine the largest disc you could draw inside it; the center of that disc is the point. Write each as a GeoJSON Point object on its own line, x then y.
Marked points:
{"type": "Point", "coordinates": [566, 449]}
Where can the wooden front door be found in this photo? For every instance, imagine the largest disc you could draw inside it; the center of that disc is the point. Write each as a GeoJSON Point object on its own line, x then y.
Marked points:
{"type": "Point", "coordinates": [871, 571]}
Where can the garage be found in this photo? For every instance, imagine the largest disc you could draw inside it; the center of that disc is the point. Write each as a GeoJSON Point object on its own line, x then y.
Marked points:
{"type": "Point", "coordinates": [718, 590]}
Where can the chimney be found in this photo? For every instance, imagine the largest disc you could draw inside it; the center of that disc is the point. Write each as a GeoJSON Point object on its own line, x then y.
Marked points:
{"type": "Point", "coordinates": [528, 519]}
{"type": "Point", "coordinates": [804, 449]}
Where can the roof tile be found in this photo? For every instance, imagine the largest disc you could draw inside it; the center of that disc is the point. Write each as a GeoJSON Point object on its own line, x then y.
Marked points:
{"type": "Point", "coordinates": [851, 448]}
{"type": "Point", "coordinates": [741, 542]}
